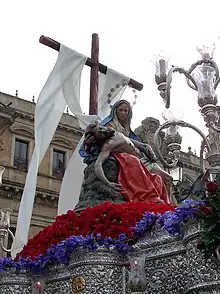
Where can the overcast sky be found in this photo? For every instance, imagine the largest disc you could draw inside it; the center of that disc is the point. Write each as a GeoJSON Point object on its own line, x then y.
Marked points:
{"type": "Point", "coordinates": [131, 33]}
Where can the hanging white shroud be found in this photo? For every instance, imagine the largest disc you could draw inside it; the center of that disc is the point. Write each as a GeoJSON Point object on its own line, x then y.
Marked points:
{"type": "Point", "coordinates": [73, 177]}
{"type": "Point", "coordinates": [113, 78]}
{"type": "Point", "coordinates": [49, 110]}
{"type": "Point", "coordinates": [62, 87]}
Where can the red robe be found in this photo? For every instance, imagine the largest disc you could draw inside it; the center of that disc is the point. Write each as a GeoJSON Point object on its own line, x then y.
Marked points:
{"type": "Point", "coordinates": [139, 184]}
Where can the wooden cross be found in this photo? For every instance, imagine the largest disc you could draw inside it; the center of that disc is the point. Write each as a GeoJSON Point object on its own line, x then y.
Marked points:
{"type": "Point", "coordinates": [93, 62]}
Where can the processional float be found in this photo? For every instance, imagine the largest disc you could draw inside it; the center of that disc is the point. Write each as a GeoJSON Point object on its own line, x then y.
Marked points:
{"type": "Point", "coordinates": [156, 262]}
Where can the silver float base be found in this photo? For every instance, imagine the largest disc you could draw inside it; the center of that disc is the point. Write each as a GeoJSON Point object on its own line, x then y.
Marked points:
{"type": "Point", "coordinates": [173, 266]}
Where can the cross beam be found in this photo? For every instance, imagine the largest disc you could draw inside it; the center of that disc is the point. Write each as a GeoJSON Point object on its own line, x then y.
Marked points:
{"type": "Point", "coordinates": [92, 62]}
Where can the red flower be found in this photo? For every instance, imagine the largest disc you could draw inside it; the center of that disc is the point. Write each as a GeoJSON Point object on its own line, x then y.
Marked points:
{"type": "Point", "coordinates": [206, 209]}
{"type": "Point", "coordinates": [108, 219]}
{"type": "Point", "coordinates": [211, 187]}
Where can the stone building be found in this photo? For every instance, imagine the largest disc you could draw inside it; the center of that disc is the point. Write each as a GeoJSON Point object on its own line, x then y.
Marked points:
{"type": "Point", "coordinates": [17, 145]}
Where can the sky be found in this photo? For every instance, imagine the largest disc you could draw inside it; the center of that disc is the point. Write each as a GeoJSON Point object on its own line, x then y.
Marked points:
{"type": "Point", "coordinates": [130, 32]}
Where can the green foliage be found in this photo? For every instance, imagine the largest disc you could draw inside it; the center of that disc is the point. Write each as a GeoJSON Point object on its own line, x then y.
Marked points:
{"type": "Point", "coordinates": [210, 217]}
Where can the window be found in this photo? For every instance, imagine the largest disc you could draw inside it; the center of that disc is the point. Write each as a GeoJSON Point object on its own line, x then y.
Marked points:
{"type": "Point", "coordinates": [58, 167]}
{"type": "Point", "coordinates": [21, 154]}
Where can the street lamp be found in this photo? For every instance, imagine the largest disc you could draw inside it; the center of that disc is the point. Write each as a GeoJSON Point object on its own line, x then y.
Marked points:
{"type": "Point", "coordinates": [203, 77]}
{"type": "Point", "coordinates": [177, 173]}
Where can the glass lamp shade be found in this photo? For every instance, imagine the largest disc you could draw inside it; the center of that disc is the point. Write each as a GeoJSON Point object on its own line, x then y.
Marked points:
{"type": "Point", "coordinates": [176, 174]}
{"type": "Point", "coordinates": [38, 284]}
{"type": "Point", "coordinates": [170, 114]}
{"type": "Point", "coordinates": [206, 51]}
{"type": "Point", "coordinates": [161, 63]}
{"type": "Point", "coordinates": [5, 218]}
{"type": "Point", "coordinates": [204, 77]}
{"type": "Point", "coordinates": [172, 131]}
{"type": "Point", "coordinates": [137, 277]}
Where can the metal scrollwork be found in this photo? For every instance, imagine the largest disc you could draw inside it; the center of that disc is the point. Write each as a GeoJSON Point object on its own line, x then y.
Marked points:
{"type": "Point", "coordinates": [5, 232]}
{"type": "Point", "coordinates": [181, 124]}
{"type": "Point", "coordinates": [203, 76]}
{"type": "Point", "coordinates": [169, 81]}
{"type": "Point", "coordinates": [214, 127]}
{"type": "Point", "coordinates": [158, 278]}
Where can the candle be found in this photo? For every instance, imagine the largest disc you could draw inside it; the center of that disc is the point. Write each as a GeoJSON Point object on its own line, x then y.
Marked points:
{"type": "Point", "coordinates": [162, 64]}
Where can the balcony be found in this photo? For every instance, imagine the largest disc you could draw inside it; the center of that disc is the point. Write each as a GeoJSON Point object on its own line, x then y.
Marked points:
{"type": "Point", "coordinates": [21, 163]}
{"type": "Point", "coordinates": [58, 172]}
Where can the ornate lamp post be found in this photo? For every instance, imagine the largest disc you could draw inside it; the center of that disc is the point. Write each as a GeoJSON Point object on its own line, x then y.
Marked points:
{"type": "Point", "coordinates": [203, 77]}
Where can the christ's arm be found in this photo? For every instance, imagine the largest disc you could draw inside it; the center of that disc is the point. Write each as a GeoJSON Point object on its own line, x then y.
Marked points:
{"type": "Point", "coordinates": [146, 149]}
{"type": "Point", "coordinates": [103, 156]}
{"type": "Point", "coordinates": [98, 167]}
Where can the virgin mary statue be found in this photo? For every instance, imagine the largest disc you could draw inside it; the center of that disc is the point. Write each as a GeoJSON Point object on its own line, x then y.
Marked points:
{"type": "Point", "coordinates": [139, 184]}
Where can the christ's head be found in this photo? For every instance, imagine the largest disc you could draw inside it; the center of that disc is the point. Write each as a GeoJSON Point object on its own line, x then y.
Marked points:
{"type": "Point", "coordinates": [100, 133]}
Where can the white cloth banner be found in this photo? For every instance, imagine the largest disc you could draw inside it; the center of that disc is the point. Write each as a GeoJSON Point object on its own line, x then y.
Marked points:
{"type": "Point", "coordinates": [113, 78]}
{"type": "Point", "coordinates": [49, 110]}
{"type": "Point", "coordinates": [73, 177]}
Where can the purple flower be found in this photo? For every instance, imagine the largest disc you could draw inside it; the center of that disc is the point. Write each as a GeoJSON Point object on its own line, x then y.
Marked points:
{"type": "Point", "coordinates": [145, 224]}
{"type": "Point", "coordinates": [171, 221]}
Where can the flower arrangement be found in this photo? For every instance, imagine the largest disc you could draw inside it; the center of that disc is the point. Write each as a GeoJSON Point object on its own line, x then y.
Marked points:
{"type": "Point", "coordinates": [209, 215]}
{"type": "Point", "coordinates": [106, 219]}
{"type": "Point", "coordinates": [110, 225]}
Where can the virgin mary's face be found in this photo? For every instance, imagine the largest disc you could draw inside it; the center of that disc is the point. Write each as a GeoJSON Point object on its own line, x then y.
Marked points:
{"type": "Point", "coordinates": [122, 112]}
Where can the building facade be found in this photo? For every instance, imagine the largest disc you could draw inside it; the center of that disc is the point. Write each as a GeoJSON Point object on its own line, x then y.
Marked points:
{"type": "Point", "coordinates": [17, 145]}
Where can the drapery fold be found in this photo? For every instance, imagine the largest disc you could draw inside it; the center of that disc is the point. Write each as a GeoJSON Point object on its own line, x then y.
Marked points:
{"type": "Point", "coordinates": [48, 112]}
{"type": "Point", "coordinates": [61, 88]}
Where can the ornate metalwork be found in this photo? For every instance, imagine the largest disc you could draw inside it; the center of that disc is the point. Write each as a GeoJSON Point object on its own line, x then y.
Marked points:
{"type": "Point", "coordinates": [205, 83]}
{"type": "Point", "coordinates": [169, 81]}
{"type": "Point", "coordinates": [78, 284]}
{"type": "Point", "coordinates": [15, 283]}
{"type": "Point", "coordinates": [5, 231]}
{"type": "Point", "coordinates": [137, 276]}
{"type": "Point", "coordinates": [172, 265]}
{"type": "Point", "coordinates": [175, 147]}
